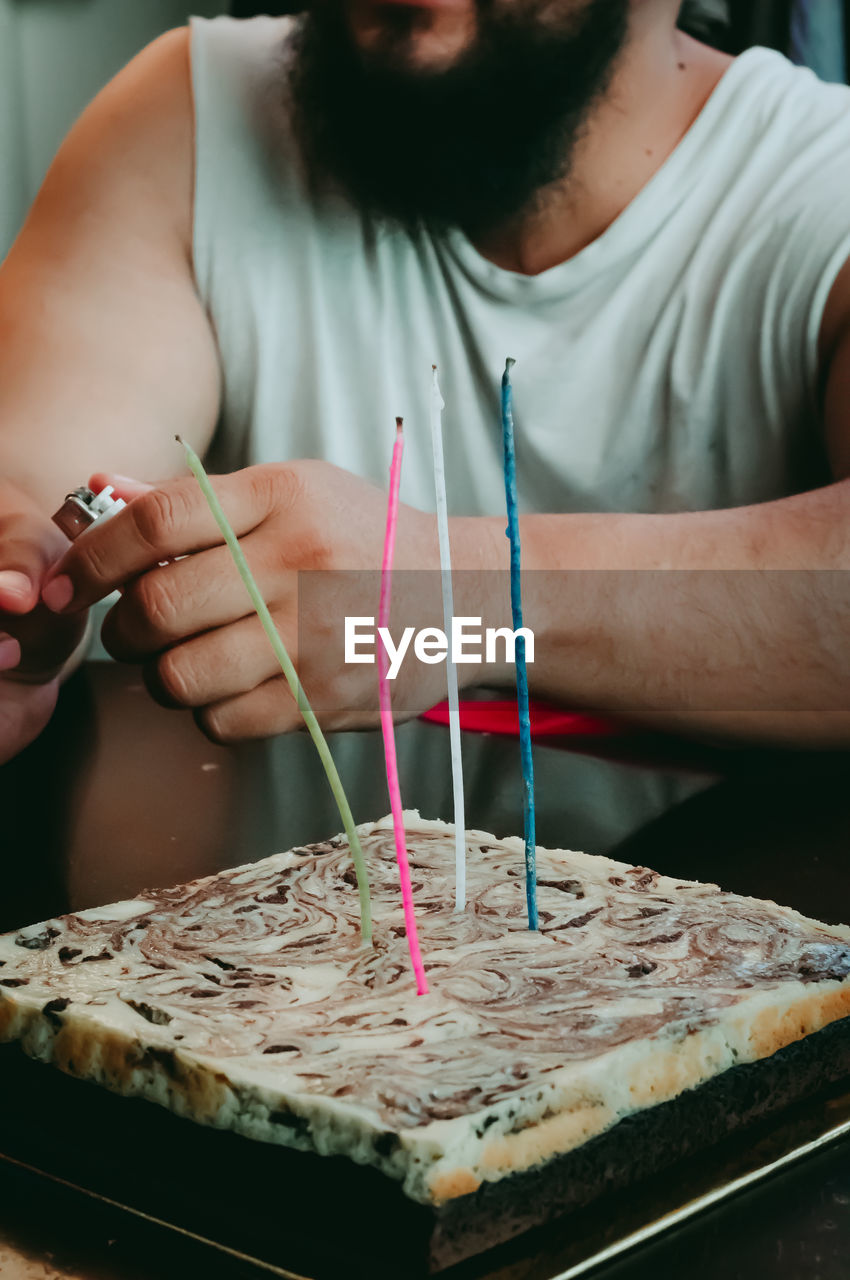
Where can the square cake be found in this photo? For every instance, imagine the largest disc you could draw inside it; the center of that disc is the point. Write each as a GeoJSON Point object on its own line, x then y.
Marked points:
{"type": "Point", "coordinates": [647, 1012]}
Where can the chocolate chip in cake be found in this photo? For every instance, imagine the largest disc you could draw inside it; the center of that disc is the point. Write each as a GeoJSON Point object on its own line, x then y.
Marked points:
{"type": "Point", "coordinates": [578, 922]}
{"type": "Point", "coordinates": [485, 1125]}
{"type": "Point", "coordinates": [641, 970]}
{"type": "Point", "coordinates": [281, 1048]}
{"type": "Point", "coordinates": [39, 941]}
{"type": "Point", "coordinates": [572, 887]}
{"type": "Point", "coordinates": [165, 1059]}
{"type": "Point", "coordinates": [66, 954]}
{"type": "Point", "coordinates": [13, 982]}
{"type": "Point", "coordinates": [53, 1008]}
{"type": "Point", "coordinates": [643, 878]}
{"type": "Point", "coordinates": [823, 968]}
{"type": "Point", "coordinates": [158, 1017]}
{"type": "Point", "coordinates": [298, 1124]}
{"type": "Point", "coordinates": [386, 1143]}
{"type": "Point", "coordinates": [103, 955]}
{"type": "Point", "coordinates": [279, 896]}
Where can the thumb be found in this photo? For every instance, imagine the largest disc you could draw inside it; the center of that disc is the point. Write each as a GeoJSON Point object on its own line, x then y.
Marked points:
{"type": "Point", "coordinates": [123, 486]}
{"type": "Point", "coordinates": [27, 551]}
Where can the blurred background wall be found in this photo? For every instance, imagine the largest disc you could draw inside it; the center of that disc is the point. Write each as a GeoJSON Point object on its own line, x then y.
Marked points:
{"type": "Point", "coordinates": [54, 57]}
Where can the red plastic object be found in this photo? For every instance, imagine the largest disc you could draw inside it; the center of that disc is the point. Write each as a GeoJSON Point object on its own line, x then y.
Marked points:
{"type": "Point", "coordinates": [501, 717]}
{"type": "Point", "coordinates": [601, 736]}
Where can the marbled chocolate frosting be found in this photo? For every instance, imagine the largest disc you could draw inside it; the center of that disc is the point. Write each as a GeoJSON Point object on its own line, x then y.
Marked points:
{"type": "Point", "coordinates": [247, 1000]}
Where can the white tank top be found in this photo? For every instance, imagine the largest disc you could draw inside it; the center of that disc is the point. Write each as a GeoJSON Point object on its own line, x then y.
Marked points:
{"type": "Point", "coordinates": [671, 365]}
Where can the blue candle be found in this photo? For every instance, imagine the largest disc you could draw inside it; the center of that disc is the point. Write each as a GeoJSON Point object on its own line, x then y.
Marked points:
{"type": "Point", "coordinates": [521, 668]}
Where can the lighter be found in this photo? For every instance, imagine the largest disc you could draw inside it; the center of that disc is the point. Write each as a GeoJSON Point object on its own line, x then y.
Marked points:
{"type": "Point", "coordinates": [83, 507]}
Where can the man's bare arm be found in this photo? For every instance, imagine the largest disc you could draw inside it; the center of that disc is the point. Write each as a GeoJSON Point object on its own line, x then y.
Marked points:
{"type": "Point", "coordinates": [105, 350]}
{"type": "Point", "coordinates": [729, 624]}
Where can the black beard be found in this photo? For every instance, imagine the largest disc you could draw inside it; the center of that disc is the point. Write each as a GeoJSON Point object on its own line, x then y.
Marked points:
{"type": "Point", "coordinates": [471, 146]}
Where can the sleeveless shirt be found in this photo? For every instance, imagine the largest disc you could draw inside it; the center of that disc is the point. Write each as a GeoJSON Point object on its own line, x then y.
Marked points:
{"type": "Point", "coordinates": [670, 365]}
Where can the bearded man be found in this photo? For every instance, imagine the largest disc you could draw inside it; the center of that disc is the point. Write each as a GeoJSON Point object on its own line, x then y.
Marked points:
{"type": "Point", "coordinates": [262, 234]}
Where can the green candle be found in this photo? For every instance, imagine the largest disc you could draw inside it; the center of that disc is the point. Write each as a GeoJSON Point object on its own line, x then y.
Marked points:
{"type": "Point", "coordinates": [294, 683]}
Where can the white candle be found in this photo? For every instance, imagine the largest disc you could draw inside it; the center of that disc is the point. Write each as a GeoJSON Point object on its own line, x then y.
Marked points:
{"type": "Point", "coordinates": [437, 407]}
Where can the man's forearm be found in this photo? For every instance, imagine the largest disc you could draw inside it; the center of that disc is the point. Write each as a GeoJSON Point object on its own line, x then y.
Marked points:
{"type": "Point", "coordinates": [730, 623]}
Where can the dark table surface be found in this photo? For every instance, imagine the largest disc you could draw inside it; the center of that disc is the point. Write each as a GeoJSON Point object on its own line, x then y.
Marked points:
{"type": "Point", "coordinates": [119, 795]}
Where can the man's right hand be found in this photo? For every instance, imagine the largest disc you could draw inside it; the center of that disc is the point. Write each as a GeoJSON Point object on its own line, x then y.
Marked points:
{"type": "Point", "coordinates": [35, 644]}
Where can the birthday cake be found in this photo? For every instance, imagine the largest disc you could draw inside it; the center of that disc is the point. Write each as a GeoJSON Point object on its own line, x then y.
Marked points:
{"type": "Point", "coordinates": [247, 1001]}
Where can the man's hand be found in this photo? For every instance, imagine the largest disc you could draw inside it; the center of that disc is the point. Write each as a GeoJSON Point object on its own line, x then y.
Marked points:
{"type": "Point", "coordinates": [34, 644]}
{"type": "Point", "coordinates": [191, 623]}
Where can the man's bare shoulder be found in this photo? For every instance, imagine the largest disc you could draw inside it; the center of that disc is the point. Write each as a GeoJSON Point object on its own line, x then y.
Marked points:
{"type": "Point", "coordinates": [100, 285]}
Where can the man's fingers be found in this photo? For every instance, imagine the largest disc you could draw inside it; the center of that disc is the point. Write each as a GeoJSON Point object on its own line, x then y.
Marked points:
{"type": "Point", "coordinates": [122, 486]}
{"type": "Point", "coordinates": [168, 521]}
{"type": "Point", "coordinates": [221, 664]}
{"type": "Point", "coordinates": [261, 713]}
{"type": "Point", "coordinates": [188, 597]}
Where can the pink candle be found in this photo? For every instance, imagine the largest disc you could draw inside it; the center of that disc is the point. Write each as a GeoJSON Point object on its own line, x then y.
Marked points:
{"type": "Point", "coordinates": [387, 725]}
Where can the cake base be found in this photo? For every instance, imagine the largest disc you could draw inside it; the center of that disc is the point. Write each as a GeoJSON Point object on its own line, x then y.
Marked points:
{"type": "Point", "coordinates": [324, 1216]}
